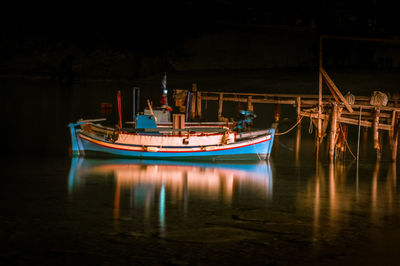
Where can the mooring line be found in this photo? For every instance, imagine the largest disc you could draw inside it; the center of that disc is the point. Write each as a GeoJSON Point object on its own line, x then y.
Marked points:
{"type": "Point", "coordinates": [310, 127]}
{"type": "Point", "coordinates": [255, 148]}
{"type": "Point", "coordinates": [287, 131]}
{"type": "Point", "coordinates": [347, 144]}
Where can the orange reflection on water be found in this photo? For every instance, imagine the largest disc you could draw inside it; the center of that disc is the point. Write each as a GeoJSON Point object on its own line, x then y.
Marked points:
{"type": "Point", "coordinates": [207, 182]}
{"type": "Point", "coordinates": [334, 202]}
{"type": "Point", "coordinates": [151, 183]}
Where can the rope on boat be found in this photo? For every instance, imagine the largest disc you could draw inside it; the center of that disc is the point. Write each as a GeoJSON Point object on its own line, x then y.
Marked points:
{"type": "Point", "coordinates": [290, 129]}
{"type": "Point", "coordinates": [258, 155]}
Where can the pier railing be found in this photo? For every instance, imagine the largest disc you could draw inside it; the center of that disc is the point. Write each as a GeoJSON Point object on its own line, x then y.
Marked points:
{"type": "Point", "coordinates": [360, 111]}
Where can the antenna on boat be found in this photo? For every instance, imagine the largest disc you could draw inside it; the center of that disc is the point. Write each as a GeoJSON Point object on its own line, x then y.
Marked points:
{"type": "Point", "coordinates": [119, 110]}
{"type": "Point", "coordinates": [135, 102]}
{"type": "Point", "coordinates": [164, 97]}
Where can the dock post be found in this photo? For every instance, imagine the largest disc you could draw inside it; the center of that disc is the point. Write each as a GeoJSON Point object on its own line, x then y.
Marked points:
{"type": "Point", "coordinates": [250, 103]}
{"type": "Point", "coordinates": [198, 105]}
{"type": "Point", "coordinates": [298, 141]}
{"type": "Point", "coordinates": [320, 90]}
{"type": "Point", "coordinates": [377, 146]}
{"type": "Point", "coordinates": [298, 107]}
{"type": "Point", "coordinates": [395, 136]}
{"type": "Point", "coordinates": [220, 103]}
{"type": "Point", "coordinates": [277, 112]}
{"type": "Point", "coordinates": [391, 131]}
{"type": "Point", "coordinates": [332, 142]}
{"type": "Point", "coordinates": [395, 146]}
{"type": "Point", "coordinates": [193, 108]}
{"type": "Point", "coordinates": [178, 122]}
{"type": "Point", "coordinates": [298, 133]}
{"type": "Point", "coordinates": [319, 124]}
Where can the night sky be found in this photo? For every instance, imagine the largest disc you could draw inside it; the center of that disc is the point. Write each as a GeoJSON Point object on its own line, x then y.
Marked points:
{"type": "Point", "coordinates": [158, 28]}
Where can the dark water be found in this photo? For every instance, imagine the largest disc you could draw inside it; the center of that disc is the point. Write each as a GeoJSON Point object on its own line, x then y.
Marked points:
{"type": "Point", "coordinates": [291, 210]}
{"type": "Point", "coordinates": [285, 211]}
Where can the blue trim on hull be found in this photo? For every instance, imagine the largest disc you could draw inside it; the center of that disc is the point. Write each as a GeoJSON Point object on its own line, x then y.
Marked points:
{"type": "Point", "coordinates": [272, 131]}
{"type": "Point", "coordinates": [74, 138]}
{"type": "Point", "coordinates": [259, 151]}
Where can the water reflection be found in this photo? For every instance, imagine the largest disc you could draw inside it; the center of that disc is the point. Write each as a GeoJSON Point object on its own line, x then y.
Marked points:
{"type": "Point", "coordinates": [338, 197]}
{"type": "Point", "coordinates": [149, 185]}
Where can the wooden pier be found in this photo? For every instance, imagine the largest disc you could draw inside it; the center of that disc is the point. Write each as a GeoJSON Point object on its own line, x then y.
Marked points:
{"type": "Point", "coordinates": [378, 111]}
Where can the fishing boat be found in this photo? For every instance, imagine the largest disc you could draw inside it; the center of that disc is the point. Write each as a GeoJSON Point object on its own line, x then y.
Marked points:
{"type": "Point", "coordinates": [147, 138]}
{"type": "Point", "coordinates": [165, 143]}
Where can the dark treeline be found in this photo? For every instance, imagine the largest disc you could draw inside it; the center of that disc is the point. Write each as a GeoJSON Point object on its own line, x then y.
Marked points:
{"type": "Point", "coordinates": [73, 43]}
{"type": "Point", "coordinates": [130, 41]}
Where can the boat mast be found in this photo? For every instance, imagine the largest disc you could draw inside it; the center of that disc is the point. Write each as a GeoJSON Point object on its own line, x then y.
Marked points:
{"type": "Point", "coordinates": [164, 98]}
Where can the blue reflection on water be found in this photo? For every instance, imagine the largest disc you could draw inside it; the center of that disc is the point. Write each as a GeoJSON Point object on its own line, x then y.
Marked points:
{"type": "Point", "coordinates": [162, 207]}
{"type": "Point", "coordinates": [82, 167]}
{"type": "Point", "coordinates": [150, 181]}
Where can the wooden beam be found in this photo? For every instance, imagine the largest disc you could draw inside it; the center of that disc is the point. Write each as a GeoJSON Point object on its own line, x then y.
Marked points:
{"type": "Point", "coordinates": [313, 115]}
{"type": "Point", "coordinates": [292, 101]}
{"type": "Point", "coordinates": [367, 114]}
{"type": "Point", "coordinates": [363, 123]}
{"type": "Point", "coordinates": [329, 81]}
{"type": "Point", "coordinates": [383, 108]}
{"type": "Point", "coordinates": [333, 93]}
{"type": "Point", "coordinates": [347, 120]}
{"type": "Point", "coordinates": [281, 95]}
{"type": "Point", "coordinates": [391, 41]}
{"type": "Point", "coordinates": [245, 100]}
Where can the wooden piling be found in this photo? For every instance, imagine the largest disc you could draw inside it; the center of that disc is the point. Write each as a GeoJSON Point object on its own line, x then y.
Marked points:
{"type": "Point", "coordinates": [277, 112]}
{"type": "Point", "coordinates": [377, 146]}
{"type": "Point", "coordinates": [298, 141]}
{"type": "Point", "coordinates": [198, 105]}
{"type": "Point", "coordinates": [220, 104]}
{"type": "Point", "coordinates": [343, 139]}
{"type": "Point", "coordinates": [317, 144]}
{"type": "Point", "coordinates": [178, 122]}
{"type": "Point", "coordinates": [395, 146]}
{"type": "Point", "coordinates": [193, 109]}
{"type": "Point", "coordinates": [391, 131]}
{"type": "Point", "coordinates": [250, 103]}
{"type": "Point", "coordinates": [298, 107]}
{"type": "Point", "coordinates": [395, 136]}
{"type": "Point", "coordinates": [319, 127]}
{"type": "Point", "coordinates": [332, 142]}
{"type": "Point", "coordinates": [298, 133]}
